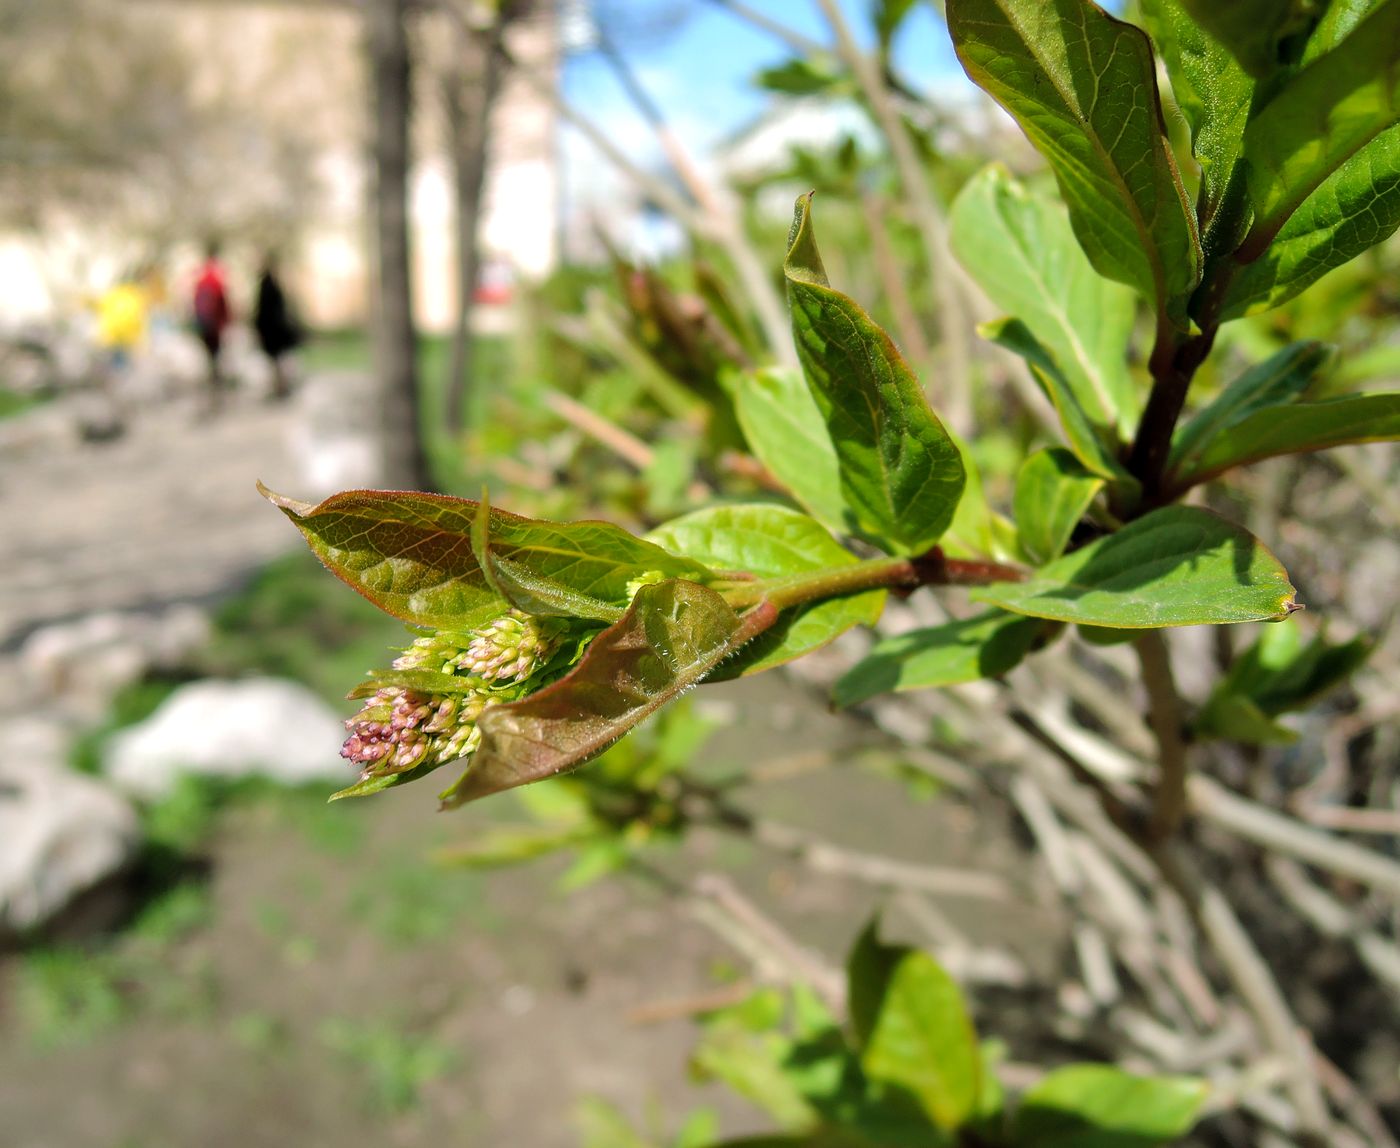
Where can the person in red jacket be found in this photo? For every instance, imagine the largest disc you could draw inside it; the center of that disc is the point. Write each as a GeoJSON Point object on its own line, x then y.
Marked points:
{"type": "Point", "coordinates": [211, 316]}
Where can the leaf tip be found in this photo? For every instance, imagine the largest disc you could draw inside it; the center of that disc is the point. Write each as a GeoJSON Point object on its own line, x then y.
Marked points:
{"type": "Point", "coordinates": [282, 502]}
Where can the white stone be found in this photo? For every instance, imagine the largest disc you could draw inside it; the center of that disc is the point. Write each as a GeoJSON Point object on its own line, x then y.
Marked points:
{"type": "Point", "coordinates": [61, 833]}
{"type": "Point", "coordinates": [215, 728]}
{"type": "Point", "coordinates": [97, 654]}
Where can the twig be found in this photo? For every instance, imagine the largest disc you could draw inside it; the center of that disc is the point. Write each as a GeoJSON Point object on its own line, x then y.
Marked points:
{"type": "Point", "coordinates": [656, 1012]}
{"type": "Point", "coordinates": [621, 442]}
{"type": "Point", "coordinates": [1353, 1102]}
{"type": "Point", "coordinates": [928, 215]}
{"type": "Point", "coordinates": [1213, 802]}
{"type": "Point", "coordinates": [1349, 820]}
{"type": "Point", "coordinates": [1165, 718]}
{"type": "Point", "coordinates": [721, 893]}
{"type": "Point", "coordinates": [824, 857]}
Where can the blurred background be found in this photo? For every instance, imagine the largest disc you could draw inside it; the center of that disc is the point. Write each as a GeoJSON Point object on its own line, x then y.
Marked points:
{"type": "Point", "coordinates": [437, 244]}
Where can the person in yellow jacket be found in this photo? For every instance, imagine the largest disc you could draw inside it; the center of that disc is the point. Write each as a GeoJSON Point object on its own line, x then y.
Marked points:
{"type": "Point", "coordinates": [121, 321]}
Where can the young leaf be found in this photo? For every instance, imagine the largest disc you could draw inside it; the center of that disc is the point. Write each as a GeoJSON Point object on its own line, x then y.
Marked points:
{"type": "Point", "coordinates": [1256, 32]}
{"type": "Point", "coordinates": [410, 554]}
{"type": "Point", "coordinates": [1098, 1106]}
{"type": "Point", "coordinates": [1355, 208]}
{"type": "Point", "coordinates": [1083, 87]}
{"type": "Point", "coordinates": [1052, 493]}
{"type": "Point", "coordinates": [901, 475]}
{"type": "Point", "coordinates": [1177, 566]}
{"type": "Point", "coordinates": [1083, 438]}
{"type": "Point", "coordinates": [986, 646]}
{"type": "Point", "coordinates": [913, 1030]}
{"type": "Point", "coordinates": [1322, 116]}
{"type": "Point", "coordinates": [1296, 429]}
{"type": "Point", "coordinates": [1275, 382]}
{"type": "Point", "coordinates": [1021, 250]}
{"type": "Point", "coordinates": [1215, 94]}
{"type": "Point", "coordinates": [785, 429]}
{"type": "Point", "coordinates": [673, 634]}
{"type": "Point", "coordinates": [772, 541]}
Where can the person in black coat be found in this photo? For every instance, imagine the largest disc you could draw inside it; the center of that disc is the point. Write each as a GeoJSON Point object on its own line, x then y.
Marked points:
{"type": "Point", "coordinates": [277, 330]}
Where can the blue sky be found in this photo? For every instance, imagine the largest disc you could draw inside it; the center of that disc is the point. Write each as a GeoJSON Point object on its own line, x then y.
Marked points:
{"type": "Point", "coordinates": [697, 62]}
{"type": "Point", "coordinates": [699, 68]}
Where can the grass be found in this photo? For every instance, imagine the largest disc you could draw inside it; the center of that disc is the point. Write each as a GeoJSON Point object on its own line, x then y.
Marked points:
{"type": "Point", "coordinates": [393, 1065]}
{"type": "Point", "coordinates": [12, 404]}
{"type": "Point", "coordinates": [296, 621]}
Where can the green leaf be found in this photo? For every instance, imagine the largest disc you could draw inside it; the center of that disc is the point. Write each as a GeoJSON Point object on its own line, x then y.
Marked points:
{"type": "Point", "coordinates": [1022, 252]}
{"type": "Point", "coordinates": [1178, 566]}
{"type": "Point", "coordinates": [514, 844]}
{"type": "Point", "coordinates": [1354, 209]}
{"type": "Point", "coordinates": [1295, 429]}
{"type": "Point", "coordinates": [986, 646]}
{"type": "Point", "coordinates": [1084, 439]}
{"type": "Point", "coordinates": [1098, 1106]}
{"type": "Point", "coordinates": [601, 1125]}
{"type": "Point", "coordinates": [901, 475]}
{"type": "Point", "coordinates": [1215, 94]}
{"type": "Point", "coordinates": [1052, 493]}
{"type": "Point", "coordinates": [1322, 116]}
{"type": "Point", "coordinates": [1276, 675]}
{"type": "Point", "coordinates": [1258, 33]}
{"type": "Point", "coordinates": [889, 15]}
{"type": "Point", "coordinates": [412, 555]}
{"type": "Point", "coordinates": [770, 542]}
{"type": "Point", "coordinates": [1083, 87]}
{"type": "Point", "coordinates": [752, 1065]}
{"type": "Point", "coordinates": [786, 431]}
{"type": "Point", "coordinates": [673, 634]}
{"type": "Point", "coordinates": [575, 569]}
{"type": "Point", "coordinates": [1275, 382]}
{"type": "Point", "coordinates": [912, 1029]}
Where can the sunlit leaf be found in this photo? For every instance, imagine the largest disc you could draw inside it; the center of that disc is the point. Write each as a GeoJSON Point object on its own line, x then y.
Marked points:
{"type": "Point", "coordinates": [1099, 1106]}
{"type": "Point", "coordinates": [1021, 250]}
{"type": "Point", "coordinates": [912, 1028]}
{"type": "Point", "coordinates": [1083, 87]}
{"type": "Point", "coordinates": [1354, 209]}
{"type": "Point", "coordinates": [1295, 429]}
{"type": "Point", "coordinates": [785, 430]}
{"type": "Point", "coordinates": [1053, 490]}
{"type": "Point", "coordinates": [1321, 117]}
{"type": "Point", "coordinates": [986, 646]}
{"type": "Point", "coordinates": [1083, 438]}
{"type": "Point", "coordinates": [1178, 566]}
{"type": "Point", "coordinates": [673, 634]}
{"type": "Point", "coordinates": [901, 475]}
{"type": "Point", "coordinates": [1275, 382]}
{"type": "Point", "coordinates": [1215, 94]}
{"type": "Point", "coordinates": [1256, 32]}
{"type": "Point", "coordinates": [770, 542]}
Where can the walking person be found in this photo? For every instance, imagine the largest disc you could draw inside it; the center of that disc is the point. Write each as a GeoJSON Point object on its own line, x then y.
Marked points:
{"type": "Point", "coordinates": [211, 318]}
{"type": "Point", "coordinates": [277, 329]}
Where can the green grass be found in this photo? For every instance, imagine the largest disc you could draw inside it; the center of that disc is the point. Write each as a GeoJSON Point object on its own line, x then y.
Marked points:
{"type": "Point", "coordinates": [294, 620]}
{"type": "Point", "coordinates": [13, 404]}
{"type": "Point", "coordinates": [392, 1065]}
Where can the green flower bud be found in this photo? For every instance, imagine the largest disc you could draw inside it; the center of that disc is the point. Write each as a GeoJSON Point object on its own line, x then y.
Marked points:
{"type": "Point", "coordinates": [511, 648]}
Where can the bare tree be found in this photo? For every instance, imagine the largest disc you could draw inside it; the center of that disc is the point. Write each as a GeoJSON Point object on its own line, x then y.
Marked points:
{"type": "Point", "coordinates": [470, 88]}
{"type": "Point", "coordinates": [395, 350]}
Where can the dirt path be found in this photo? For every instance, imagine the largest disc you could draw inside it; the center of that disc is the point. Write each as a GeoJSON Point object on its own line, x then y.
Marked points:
{"type": "Point", "coordinates": [167, 512]}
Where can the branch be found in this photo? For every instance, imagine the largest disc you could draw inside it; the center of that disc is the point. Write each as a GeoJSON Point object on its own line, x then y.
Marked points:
{"type": "Point", "coordinates": [928, 215]}
{"type": "Point", "coordinates": [1213, 802]}
{"type": "Point", "coordinates": [1167, 722]}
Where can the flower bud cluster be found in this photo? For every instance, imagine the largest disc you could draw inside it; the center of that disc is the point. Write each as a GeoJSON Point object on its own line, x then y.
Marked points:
{"type": "Point", "coordinates": [400, 728]}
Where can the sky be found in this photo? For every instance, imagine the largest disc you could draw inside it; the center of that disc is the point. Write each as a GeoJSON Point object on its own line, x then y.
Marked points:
{"type": "Point", "coordinates": [697, 62]}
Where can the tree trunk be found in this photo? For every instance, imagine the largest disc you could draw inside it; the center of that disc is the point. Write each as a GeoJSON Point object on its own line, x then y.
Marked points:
{"type": "Point", "coordinates": [395, 352]}
{"type": "Point", "coordinates": [471, 88]}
